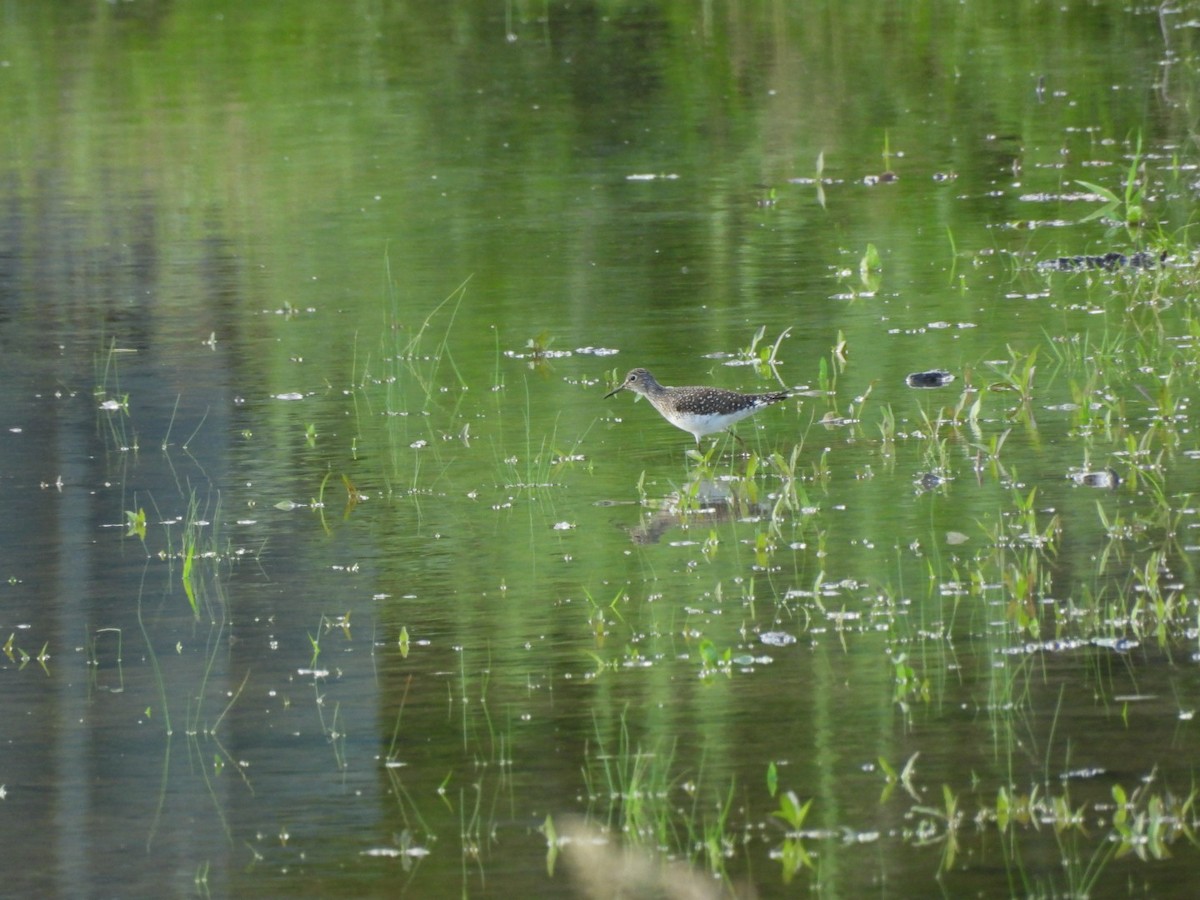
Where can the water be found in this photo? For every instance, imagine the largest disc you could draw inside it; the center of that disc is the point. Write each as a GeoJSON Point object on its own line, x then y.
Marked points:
{"type": "Point", "coordinates": [333, 295]}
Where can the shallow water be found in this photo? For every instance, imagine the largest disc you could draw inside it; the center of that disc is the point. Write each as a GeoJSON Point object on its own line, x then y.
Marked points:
{"type": "Point", "coordinates": [333, 296]}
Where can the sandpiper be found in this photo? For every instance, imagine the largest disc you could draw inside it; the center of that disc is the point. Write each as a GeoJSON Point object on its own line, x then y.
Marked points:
{"type": "Point", "coordinates": [700, 410]}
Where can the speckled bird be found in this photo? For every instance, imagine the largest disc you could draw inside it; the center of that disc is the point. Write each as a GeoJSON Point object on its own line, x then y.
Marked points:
{"type": "Point", "coordinates": [699, 410]}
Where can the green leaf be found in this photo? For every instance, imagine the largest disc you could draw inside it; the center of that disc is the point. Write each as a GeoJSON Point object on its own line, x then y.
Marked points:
{"type": "Point", "coordinates": [1109, 196]}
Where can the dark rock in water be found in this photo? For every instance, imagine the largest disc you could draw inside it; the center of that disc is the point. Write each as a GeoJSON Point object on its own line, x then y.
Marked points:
{"type": "Point", "coordinates": [930, 481]}
{"type": "Point", "coordinates": [934, 378]}
{"type": "Point", "coordinates": [1102, 478]}
{"type": "Point", "coordinates": [1110, 261]}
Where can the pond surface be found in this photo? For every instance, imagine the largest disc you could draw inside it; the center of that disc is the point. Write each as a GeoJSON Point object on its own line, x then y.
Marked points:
{"type": "Point", "coordinates": [329, 571]}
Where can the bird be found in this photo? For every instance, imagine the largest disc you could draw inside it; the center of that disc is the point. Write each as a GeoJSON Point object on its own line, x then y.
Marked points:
{"type": "Point", "coordinates": [699, 410]}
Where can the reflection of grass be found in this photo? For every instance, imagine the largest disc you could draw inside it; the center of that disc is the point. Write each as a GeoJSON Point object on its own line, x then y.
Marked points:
{"type": "Point", "coordinates": [199, 556]}
{"type": "Point", "coordinates": [638, 794]}
{"type": "Point", "coordinates": [413, 352]}
{"type": "Point", "coordinates": [939, 825]}
{"type": "Point", "coordinates": [409, 810]}
{"type": "Point", "coordinates": [111, 401]}
{"type": "Point", "coordinates": [196, 728]}
{"type": "Point", "coordinates": [409, 359]}
{"type": "Point", "coordinates": [765, 357]}
{"type": "Point", "coordinates": [94, 658]}
{"type": "Point", "coordinates": [792, 853]}
{"type": "Point", "coordinates": [1017, 377]}
{"type": "Point", "coordinates": [330, 722]}
{"type": "Point", "coordinates": [409, 375]}
{"type": "Point", "coordinates": [1134, 597]}
{"type": "Point", "coordinates": [1145, 824]}
{"type": "Point", "coordinates": [21, 657]}
{"type": "Point", "coordinates": [637, 785]}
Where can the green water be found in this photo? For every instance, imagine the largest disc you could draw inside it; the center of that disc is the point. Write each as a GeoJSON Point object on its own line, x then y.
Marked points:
{"type": "Point", "coordinates": [333, 294]}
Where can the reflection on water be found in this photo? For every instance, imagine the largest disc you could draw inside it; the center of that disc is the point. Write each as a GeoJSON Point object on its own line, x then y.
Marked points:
{"type": "Point", "coordinates": [328, 570]}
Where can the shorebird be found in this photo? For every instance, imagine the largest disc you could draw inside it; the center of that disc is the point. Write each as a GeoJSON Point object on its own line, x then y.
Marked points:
{"type": "Point", "coordinates": [699, 410]}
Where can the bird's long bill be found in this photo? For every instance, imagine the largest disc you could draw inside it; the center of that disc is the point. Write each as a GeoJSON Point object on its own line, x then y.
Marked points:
{"type": "Point", "coordinates": [616, 390]}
